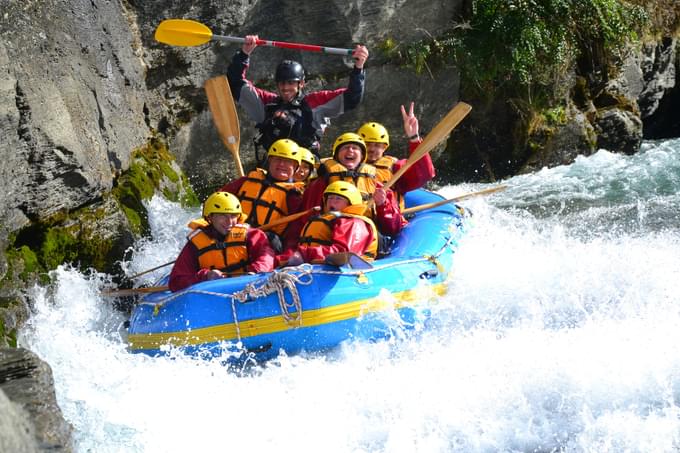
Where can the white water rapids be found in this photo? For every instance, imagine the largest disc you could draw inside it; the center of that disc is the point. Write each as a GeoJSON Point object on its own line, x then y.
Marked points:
{"type": "Point", "coordinates": [560, 332]}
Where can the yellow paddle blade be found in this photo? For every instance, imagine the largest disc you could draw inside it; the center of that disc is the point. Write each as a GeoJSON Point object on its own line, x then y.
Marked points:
{"type": "Point", "coordinates": [224, 115]}
{"type": "Point", "coordinates": [182, 32]}
{"type": "Point", "coordinates": [437, 135]}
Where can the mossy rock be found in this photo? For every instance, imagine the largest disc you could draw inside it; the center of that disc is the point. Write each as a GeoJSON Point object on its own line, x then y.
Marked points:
{"type": "Point", "coordinates": [13, 313]}
{"type": "Point", "coordinates": [94, 236]}
{"type": "Point", "coordinates": [152, 169]}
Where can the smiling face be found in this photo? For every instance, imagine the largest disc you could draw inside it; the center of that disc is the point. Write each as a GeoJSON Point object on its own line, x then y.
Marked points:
{"type": "Point", "coordinates": [303, 171]}
{"type": "Point", "coordinates": [289, 89]}
{"type": "Point", "coordinates": [336, 202]}
{"type": "Point", "coordinates": [281, 169]}
{"type": "Point", "coordinates": [223, 222]}
{"type": "Point", "coordinates": [350, 155]}
{"type": "Point", "coordinates": [375, 151]}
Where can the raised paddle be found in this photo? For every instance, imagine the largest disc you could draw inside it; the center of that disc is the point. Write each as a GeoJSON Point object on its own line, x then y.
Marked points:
{"type": "Point", "coordinates": [266, 227]}
{"type": "Point", "coordinates": [224, 115]}
{"type": "Point", "coordinates": [134, 291]}
{"type": "Point", "coordinates": [187, 33]}
{"type": "Point", "coordinates": [435, 137]}
{"type": "Point", "coordinates": [435, 204]}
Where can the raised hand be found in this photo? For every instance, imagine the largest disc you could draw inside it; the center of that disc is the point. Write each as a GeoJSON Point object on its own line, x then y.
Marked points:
{"type": "Point", "coordinates": [360, 55]}
{"type": "Point", "coordinates": [410, 122]}
{"type": "Point", "coordinates": [379, 196]}
{"type": "Point", "coordinates": [249, 44]}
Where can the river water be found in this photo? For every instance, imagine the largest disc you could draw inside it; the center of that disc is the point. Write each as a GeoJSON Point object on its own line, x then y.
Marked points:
{"type": "Point", "coordinates": [561, 332]}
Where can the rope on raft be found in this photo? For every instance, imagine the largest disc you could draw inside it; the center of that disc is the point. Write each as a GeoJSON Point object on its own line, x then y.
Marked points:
{"type": "Point", "coordinates": [287, 278]}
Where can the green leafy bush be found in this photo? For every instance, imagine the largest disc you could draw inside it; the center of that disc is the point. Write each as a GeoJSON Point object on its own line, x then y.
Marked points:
{"type": "Point", "coordinates": [523, 43]}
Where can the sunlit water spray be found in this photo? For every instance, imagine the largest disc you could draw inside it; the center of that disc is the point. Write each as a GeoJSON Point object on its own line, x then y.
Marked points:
{"type": "Point", "coordinates": [560, 332]}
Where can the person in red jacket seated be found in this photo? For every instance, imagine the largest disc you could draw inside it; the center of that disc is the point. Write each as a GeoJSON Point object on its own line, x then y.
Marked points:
{"type": "Point", "coordinates": [378, 140]}
{"type": "Point", "coordinates": [341, 228]}
{"type": "Point", "coordinates": [219, 246]}
{"type": "Point", "coordinates": [348, 163]}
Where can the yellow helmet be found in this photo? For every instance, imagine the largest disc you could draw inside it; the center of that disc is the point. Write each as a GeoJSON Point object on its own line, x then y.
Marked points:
{"type": "Point", "coordinates": [285, 148]}
{"type": "Point", "coordinates": [344, 189]}
{"type": "Point", "coordinates": [307, 156]}
{"type": "Point", "coordinates": [349, 137]}
{"type": "Point", "coordinates": [374, 133]}
{"type": "Point", "coordinates": [221, 203]}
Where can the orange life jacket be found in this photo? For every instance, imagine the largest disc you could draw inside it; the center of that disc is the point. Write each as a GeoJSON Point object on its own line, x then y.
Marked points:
{"type": "Point", "coordinates": [363, 177]}
{"type": "Point", "coordinates": [384, 173]}
{"type": "Point", "coordinates": [383, 168]}
{"type": "Point", "coordinates": [268, 197]}
{"type": "Point", "coordinates": [319, 229]}
{"type": "Point", "coordinates": [229, 256]}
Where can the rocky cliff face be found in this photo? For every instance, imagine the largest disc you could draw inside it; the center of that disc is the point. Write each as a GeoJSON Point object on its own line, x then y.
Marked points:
{"type": "Point", "coordinates": [601, 110]}
{"type": "Point", "coordinates": [180, 72]}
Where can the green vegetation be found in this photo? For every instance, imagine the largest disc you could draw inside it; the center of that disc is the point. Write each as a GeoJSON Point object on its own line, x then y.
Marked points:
{"type": "Point", "coordinates": [94, 236]}
{"type": "Point", "coordinates": [151, 169]}
{"type": "Point", "coordinates": [524, 46]}
{"type": "Point", "coordinates": [7, 338]}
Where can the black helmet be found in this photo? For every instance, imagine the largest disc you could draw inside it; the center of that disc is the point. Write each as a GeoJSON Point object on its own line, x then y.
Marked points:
{"type": "Point", "coordinates": [289, 70]}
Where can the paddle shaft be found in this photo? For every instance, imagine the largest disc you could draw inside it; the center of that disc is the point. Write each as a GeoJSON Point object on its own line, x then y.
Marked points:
{"type": "Point", "coordinates": [289, 218]}
{"type": "Point", "coordinates": [134, 291]}
{"type": "Point", "coordinates": [152, 269]}
{"type": "Point", "coordinates": [436, 136]}
{"type": "Point", "coordinates": [287, 45]}
{"type": "Point", "coordinates": [266, 227]}
{"type": "Point", "coordinates": [435, 204]}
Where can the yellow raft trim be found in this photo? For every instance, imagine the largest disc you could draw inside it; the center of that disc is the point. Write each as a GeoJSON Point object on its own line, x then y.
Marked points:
{"type": "Point", "coordinates": [274, 324]}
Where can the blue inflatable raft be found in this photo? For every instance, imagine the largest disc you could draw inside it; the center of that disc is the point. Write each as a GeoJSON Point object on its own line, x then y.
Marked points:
{"type": "Point", "coordinates": [309, 307]}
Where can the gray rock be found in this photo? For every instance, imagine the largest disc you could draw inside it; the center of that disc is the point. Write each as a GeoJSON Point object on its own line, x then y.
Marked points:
{"type": "Point", "coordinates": [659, 74]}
{"type": "Point", "coordinates": [16, 431]}
{"type": "Point", "coordinates": [564, 144]}
{"type": "Point", "coordinates": [26, 382]}
{"type": "Point", "coordinates": [72, 102]}
{"type": "Point", "coordinates": [618, 131]}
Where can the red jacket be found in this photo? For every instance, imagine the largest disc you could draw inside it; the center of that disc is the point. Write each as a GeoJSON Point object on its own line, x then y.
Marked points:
{"type": "Point", "coordinates": [349, 235]}
{"type": "Point", "coordinates": [418, 175]}
{"type": "Point", "coordinates": [186, 272]}
{"type": "Point", "coordinates": [388, 217]}
{"type": "Point", "coordinates": [320, 105]}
